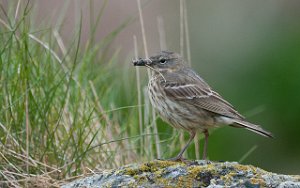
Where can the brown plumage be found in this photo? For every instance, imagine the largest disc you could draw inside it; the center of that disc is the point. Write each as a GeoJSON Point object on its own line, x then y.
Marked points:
{"type": "Point", "coordinates": [184, 100]}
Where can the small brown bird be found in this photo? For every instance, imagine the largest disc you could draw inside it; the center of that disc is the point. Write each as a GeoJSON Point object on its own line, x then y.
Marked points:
{"type": "Point", "coordinates": [185, 101]}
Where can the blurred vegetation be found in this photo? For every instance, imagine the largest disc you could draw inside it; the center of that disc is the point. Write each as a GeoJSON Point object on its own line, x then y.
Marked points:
{"type": "Point", "coordinates": [68, 108]}
{"type": "Point", "coordinates": [252, 59]}
{"type": "Point", "coordinates": [59, 115]}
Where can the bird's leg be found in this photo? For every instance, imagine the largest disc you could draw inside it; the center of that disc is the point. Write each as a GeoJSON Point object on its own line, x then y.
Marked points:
{"type": "Point", "coordinates": [179, 156]}
{"type": "Point", "coordinates": [206, 134]}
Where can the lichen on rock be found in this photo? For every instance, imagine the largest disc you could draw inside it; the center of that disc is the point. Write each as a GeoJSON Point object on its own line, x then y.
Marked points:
{"type": "Point", "coordinates": [198, 173]}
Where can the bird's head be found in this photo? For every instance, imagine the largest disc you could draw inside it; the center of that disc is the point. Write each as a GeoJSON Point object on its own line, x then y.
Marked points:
{"type": "Point", "coordinates": [164, 61]}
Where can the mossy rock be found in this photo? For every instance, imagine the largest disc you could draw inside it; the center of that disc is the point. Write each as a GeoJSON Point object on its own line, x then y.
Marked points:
{"type": "Point", "coordinates": [188, 174]}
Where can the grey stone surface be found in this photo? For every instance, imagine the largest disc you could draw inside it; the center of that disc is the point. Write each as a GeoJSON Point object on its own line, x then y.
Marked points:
{"type": "Point", "coordinates": [189, 174]}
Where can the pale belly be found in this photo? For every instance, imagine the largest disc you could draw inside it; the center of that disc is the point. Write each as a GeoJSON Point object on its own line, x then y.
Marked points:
{"type": "Point", "coordinates": [178, 114]}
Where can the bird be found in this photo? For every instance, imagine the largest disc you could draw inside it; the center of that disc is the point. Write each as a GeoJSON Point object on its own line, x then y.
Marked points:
{"type": "Point", "coordinates": [185, 101]}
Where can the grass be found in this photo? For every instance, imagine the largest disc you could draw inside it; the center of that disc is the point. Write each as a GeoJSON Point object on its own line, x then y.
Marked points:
{"type": "Point", "coordinates": [59, 103]}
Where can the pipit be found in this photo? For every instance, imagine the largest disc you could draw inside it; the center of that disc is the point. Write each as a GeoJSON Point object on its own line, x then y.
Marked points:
{"type": "Point", "coordinates": [185, 101]}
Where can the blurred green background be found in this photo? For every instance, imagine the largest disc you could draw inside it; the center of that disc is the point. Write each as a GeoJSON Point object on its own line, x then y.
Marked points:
{"type": "Point", "coordinates": [248, 51]}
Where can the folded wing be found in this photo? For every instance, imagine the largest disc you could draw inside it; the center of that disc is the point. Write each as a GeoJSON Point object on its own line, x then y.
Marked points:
{"type": "Point", "coordinates": [195, 91]}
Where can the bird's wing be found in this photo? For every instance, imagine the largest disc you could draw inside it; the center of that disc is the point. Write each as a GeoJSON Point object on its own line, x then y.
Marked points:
{"type": "Point", "coordinates": [196, 91]}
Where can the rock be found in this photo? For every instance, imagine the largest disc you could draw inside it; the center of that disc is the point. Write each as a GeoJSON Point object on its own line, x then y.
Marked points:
{"type": "Point", "coordinates": [189, 174]}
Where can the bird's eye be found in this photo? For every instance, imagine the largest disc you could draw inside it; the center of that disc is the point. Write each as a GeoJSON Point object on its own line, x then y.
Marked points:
{"type": "Point", "coordinates": [162, 61]}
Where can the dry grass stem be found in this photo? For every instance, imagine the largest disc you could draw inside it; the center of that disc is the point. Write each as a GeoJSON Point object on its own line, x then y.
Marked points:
{"type": "Point", "coordinates": [162, 33]}
{"type": "Point", "coordinates": [250, 151]}
{"type": "Point", "coordinates": [157, 140]}
{"type": "Point", "coordinates": [61, 45]}
{"type": "Point", "coordinates": [17, 10]}
{"type": "Point", "coordinates": [138, 83]}
{"type": "Point", "coordinates": [181, 28]}
{"type": "Point", "coordinates": [197, 146]}
{"type": "Point", "coordinates": [187, 35]}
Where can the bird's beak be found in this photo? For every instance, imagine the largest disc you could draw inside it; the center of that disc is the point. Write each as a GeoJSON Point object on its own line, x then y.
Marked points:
{"type": "Point", "coordinates": [141, 62]}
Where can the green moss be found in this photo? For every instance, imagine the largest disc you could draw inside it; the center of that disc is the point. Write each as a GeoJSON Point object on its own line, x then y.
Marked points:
{"type": "Point", "coordinates": [199, 175]}
{"type": "Point", "coordinates": [257, 181]}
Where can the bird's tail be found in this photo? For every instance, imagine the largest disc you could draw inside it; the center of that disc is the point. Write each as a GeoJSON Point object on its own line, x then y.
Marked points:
{"type": "Point", "coordinates": [251, 127]}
